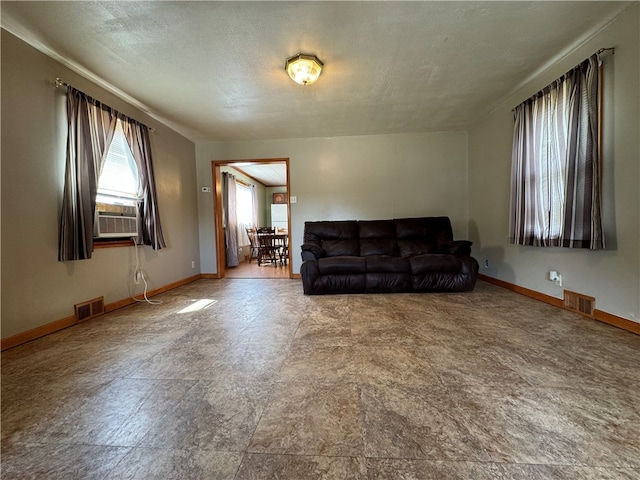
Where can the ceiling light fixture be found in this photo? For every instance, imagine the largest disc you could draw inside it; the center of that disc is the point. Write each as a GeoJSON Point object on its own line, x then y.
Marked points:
{"type": "Point", "coordinates": [304, 69]}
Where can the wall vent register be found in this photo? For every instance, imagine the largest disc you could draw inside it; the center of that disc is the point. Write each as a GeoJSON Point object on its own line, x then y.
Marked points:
{"type": "Point", "coordinates": [89, 309]}
{"type": "Point", "coordinates": [579, 303]}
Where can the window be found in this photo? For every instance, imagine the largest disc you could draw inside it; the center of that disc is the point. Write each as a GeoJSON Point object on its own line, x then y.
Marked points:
{"type": "Point", "coordinates": [90, 125]}
{"type": "Point", "coordinates": [244, 205]}
{"type": "Point", "coordinates": [118, 181]}
{"type": "Point", "coordinates": [117, 193]}
{"type": "Point", "coordinates": [244, 211]}
{"type": "Point", "coordinates": [555, 174]}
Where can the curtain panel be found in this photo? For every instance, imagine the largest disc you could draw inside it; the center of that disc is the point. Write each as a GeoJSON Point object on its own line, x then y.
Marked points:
{"type": "Point", "coordinates": [149, 226]}
{"type": "Point", "coordinates": [555, 174]}
{"type": "Point", "coordinates": [230, 220]}
{"type": "Point", "coordinates": [91, 126]}
{"type": "Point", "coordinates": [254, 202]}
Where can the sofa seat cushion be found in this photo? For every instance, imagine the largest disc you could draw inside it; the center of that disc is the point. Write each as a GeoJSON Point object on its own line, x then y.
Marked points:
{"type": "Point", "coordinates": [434, 262]}
{"type": "Point", "coordinates": [387, 264]}
{"type": "Point", "coordinates": [343, 265]}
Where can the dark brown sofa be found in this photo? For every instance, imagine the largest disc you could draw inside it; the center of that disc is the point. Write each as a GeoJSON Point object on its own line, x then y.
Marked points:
{"type": "Point", "coordinates": [385, 256]}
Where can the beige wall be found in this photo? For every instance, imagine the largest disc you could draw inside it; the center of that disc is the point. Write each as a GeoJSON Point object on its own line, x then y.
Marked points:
{"type": "Point", "coordinates": [366, 177]}
{"type": "Point", "coordinates": [611, 276]}
{"type": "Point", "coordinates": [36, 288]}
{"type": "Point", "coordinates": [459, 174]}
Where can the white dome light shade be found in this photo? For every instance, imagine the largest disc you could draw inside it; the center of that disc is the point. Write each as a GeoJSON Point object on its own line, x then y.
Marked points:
{"type": "Point", "coordinates": [304, 69]}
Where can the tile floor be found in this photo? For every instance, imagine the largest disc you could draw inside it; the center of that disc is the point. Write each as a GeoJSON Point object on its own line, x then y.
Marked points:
{"type": "Point", "coordinates": [267, 383]}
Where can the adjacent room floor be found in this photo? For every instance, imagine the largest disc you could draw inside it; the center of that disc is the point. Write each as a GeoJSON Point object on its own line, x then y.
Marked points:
{"type": "Point", "coordinates": [250, 379]}
{"type": "Point", "coordinates": [253, 270]}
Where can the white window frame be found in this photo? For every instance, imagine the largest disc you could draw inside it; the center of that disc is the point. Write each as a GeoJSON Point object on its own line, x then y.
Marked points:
{"type": "Point", "coordinates": [119, 161]}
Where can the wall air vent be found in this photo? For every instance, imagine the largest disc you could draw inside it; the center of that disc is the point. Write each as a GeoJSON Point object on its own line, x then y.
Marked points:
{"type": "Point", "coordinates": [89, 309]}
{"type": "Point", "coordinates": [579, 303]}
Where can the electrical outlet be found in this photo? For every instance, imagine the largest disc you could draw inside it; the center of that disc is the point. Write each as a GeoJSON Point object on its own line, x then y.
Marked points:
{"type": "Point", "coordinates": [193, 264]}
{"type": "Point", "coordinates": [486, 263]}
{"type": "Point", "coordinates": [555, 277]}
{"type": "Point", "coordinates": [137, 278]}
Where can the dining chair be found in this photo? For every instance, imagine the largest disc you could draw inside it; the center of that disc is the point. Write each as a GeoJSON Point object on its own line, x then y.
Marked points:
{"type": "Point", "coordinates": [283, 243]}
{"type": "Point", "coordinates": [252, 233]}
{"type": "Point", "coordinates": [267, 250]}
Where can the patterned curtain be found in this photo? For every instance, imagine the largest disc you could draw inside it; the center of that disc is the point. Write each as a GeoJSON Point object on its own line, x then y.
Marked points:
{"type": "Point", "coordinates": [91, 126]}
{"type": "Point", "coordinates": [137, 136]}
{"type": "Point", "coordinates": [555, 174]}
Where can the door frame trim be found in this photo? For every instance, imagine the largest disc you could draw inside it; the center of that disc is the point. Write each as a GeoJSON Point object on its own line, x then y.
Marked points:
{"type": "Point", "coordinates": [217, 206]}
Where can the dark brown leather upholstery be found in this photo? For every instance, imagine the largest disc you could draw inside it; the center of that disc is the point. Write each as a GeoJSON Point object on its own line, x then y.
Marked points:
{"type": "Point", "coordinates": [376, 256]}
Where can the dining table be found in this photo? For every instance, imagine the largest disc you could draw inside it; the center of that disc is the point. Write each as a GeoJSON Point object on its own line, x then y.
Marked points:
{"type": "Point", "coordinates": [273, 246]}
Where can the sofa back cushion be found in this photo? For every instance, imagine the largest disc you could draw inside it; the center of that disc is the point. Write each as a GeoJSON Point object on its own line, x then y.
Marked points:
{"type": "Point", "coordinates": [404, 237]}
{"type": "Point", "coordinates": [417, 236]}
{"type": "Point", "coordinates": [335, 238]}
{"type": "Point", "coordinates": [378, 237]}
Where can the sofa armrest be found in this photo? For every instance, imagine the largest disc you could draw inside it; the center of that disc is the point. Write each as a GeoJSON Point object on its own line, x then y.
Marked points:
{"type": "Point", "coordinates": [307, 255]}
{"type": "Point", "coordinates": [311, 249]}
{"type": "Point", "coordinates": [460, 248]}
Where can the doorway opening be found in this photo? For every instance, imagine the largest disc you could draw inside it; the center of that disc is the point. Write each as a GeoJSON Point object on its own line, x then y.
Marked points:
{"type": "Point", "coordinates": [268, 180]}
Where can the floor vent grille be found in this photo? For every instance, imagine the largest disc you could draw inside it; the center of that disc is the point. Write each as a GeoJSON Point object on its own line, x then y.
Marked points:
{"type": "Point", "coordinates": [89, 309]}
{"type": "Point", "coordinates": [582, 304]}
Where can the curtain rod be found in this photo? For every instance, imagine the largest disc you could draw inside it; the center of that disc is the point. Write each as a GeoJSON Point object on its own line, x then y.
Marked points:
{"type": "Point", "coordinates": [613, 50]}
{"type": "Point", "coordinates": [61, 83]}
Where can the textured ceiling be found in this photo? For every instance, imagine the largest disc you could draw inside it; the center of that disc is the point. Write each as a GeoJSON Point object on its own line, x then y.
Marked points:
{"type": "Point", "coordinates": [214, 71]}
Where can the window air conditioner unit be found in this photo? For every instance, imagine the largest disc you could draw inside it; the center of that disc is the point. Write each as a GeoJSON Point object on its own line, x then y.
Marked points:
{"type": "Point", "coordinates": [116, 222]}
